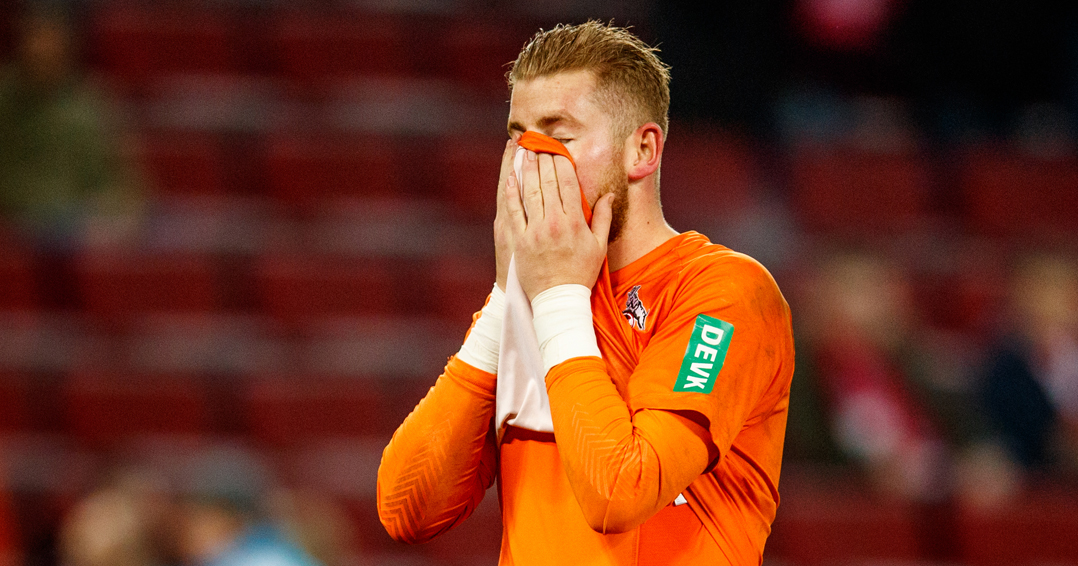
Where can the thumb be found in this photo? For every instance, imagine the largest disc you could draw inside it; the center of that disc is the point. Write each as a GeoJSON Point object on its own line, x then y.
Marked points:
{"type": "Point", "coordinates": [601, 217]}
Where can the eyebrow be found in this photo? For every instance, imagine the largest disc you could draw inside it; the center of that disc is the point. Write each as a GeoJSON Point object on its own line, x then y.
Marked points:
{"type": "Point", "coordinates": [545, 122]}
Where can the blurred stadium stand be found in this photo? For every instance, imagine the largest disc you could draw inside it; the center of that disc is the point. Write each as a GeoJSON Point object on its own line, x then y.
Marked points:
{"type": "Point", "coordinates": [318, 238]}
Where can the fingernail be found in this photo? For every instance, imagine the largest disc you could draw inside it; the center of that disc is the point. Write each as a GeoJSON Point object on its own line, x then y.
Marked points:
{"type": "Point", "coordinates": [531, 155]}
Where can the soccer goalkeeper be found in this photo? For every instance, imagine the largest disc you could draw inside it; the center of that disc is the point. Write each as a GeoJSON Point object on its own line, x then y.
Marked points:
{"type": "Point", "coordinates": [626, 384]}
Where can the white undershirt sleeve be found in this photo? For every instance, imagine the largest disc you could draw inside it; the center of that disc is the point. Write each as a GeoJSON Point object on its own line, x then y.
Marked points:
{"type": "Point", "coordinates": [563, 324]}
{"type": "Point", "coordinates": [480, 348]}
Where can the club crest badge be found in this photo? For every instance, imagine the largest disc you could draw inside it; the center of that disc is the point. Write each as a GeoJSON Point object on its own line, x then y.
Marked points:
{"type": "Point", "coordinates": [634, 311]}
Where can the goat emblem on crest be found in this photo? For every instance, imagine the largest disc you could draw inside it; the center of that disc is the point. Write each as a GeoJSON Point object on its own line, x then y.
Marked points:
{"type": "Point", "coordinates": [634, 311]}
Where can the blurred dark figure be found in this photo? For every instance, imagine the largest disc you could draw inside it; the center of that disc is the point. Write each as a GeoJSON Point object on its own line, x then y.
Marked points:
{"type": "Point", "coordinates": [224, 518]}
{"type": "Point", "coordinates": [1031, 382]}
{"type": "Point", "coordinates": [118, 524]}
{"type": "Point", "coordinates": [61, 178]}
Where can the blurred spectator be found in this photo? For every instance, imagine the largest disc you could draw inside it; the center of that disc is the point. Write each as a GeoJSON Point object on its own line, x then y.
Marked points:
{"type": "Point", "coordinates": [319, 524]}
{"type": "Point", "coordinates": [1031, 383]}
{"type": "Point", "coordinates": [899, 403]}
{"type": "Point", "coordinates": [119, 524]}
{"type": "Point", "coordinates": [865, 321]}
{"type": "Point", "coordinates": [61, 178]}
{"type": "Point", "coordinates": [224, 521]}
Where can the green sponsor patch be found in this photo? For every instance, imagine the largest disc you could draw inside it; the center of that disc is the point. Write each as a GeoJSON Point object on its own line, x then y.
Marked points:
{"type": "Point", "coordinates": [705, 355]}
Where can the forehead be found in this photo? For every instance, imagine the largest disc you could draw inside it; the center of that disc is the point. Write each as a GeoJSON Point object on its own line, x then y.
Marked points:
{"type": "Point", "coordinates": [568, 94]}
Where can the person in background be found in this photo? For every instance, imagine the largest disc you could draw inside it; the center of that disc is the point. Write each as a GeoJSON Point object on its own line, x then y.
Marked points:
{"type": "Point", "coordinates": [62, 180]}
{"type": "Point", "coordinates": [223, 517]}
{"type": "Point", "coordinates": [317, 522]}
{"type": "Point", "coordinates": [899, 404]}
{"type": "Point", "coordinates": [1031, 376]}
{"type": "Point", "coordinates": [121, 523]}
{"type": "Point", "coordinates": [863, 319]}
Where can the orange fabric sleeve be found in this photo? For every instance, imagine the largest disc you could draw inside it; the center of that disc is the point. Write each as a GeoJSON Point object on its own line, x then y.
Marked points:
{"type": "Point", "coordinates": [623, 468]}
{"type": "Point", "coordinates": [441, 459]}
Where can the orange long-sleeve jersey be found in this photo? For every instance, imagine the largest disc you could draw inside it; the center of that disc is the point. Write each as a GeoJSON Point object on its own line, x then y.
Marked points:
{"type": "Point", "coordinates": [690, 396]}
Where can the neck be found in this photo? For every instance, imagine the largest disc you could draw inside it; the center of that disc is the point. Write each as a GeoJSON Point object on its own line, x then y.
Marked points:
{"type": "Point", "coordinates": [644, 230]}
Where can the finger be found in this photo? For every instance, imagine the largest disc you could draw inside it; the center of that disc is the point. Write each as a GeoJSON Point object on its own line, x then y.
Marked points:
{"type": "Point", "coordinates": [601, 217]}
{"type": "Point", "coordinates": [569, 186]}
{"type": "Point", "coordinates": [514, 207]}
{"type": "Point", "coordinates": [507, 158]}
{"type": "Point", "coordinates": [507, 167]}
{"type": "Point", "coordinates": [532, 195]}
{"type": "Point", "coordinates": [548, 182]}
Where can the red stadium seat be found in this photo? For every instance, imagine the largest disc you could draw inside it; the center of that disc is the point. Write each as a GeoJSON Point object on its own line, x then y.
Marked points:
{"type": "Point", "coordinates": [851, 192]}
{"type": "Point", "coordinates": [16, 402]}
{"type": "Point", "coordinates": [115, 285]}
{"type": "Point", "coordinates": [293, 288]}
{"type": "Point", "coordinates": [18, 290]}
{"type": "Point", "coordinates": [707, 176]}
{"type": "Point", "coordinates": [300, 409]}
{"type": "Point", "coordinates": [183, 163]}
{"type": "Point", "coordinates": [1008, 194]}
{"type": "Point", "coordinates": [104, 408]}
{"type": "Point", "coordinates": [469, 175]}
{"type": "Point", "coordinates": [827, 522]}
{"type": "Point", "coordinates": [967, 297]}
{"type": "Point", "coordinates": [198, 343]}
{"type": "Point", "coordinates": [1030, 530]}
{"type": "Point", "coordinates": [11, 532]}
{"type": "Point", "coordinates": [41, 341]}
{"type": "Point", "coordinates": [312, 46]}
{"type": "Point", "coordinates": [458, 286]}
{"type": "Point", "coordinates": [479, 53]}
{"type": "Point", "coordinates": [410, 350]}
{"type": "Point", "coordinates": [305, 172]}
{"type": "Point", "coordinates": [139, 41]}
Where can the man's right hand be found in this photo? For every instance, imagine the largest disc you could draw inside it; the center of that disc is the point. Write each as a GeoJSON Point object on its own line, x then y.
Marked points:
{"type": "Point", "coordinates": [503, 235]}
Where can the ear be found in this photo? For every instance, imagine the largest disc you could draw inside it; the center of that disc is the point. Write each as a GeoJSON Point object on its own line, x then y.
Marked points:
{"type": "Point", "coordinates": [643, 151]}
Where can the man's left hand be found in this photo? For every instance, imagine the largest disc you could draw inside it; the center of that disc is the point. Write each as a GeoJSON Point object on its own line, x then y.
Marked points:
{"type": "Point", "coordinates": [553, 243]}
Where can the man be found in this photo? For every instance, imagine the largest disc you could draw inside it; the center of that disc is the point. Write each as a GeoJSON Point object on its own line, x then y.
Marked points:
{"type": "Point", "coordinates": [667, 367]}
{"type": "Point", "coordinates": [61, 175]}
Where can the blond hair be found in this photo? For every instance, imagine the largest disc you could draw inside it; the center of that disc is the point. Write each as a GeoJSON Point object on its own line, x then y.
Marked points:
{"type": "Point", "coordinates": [629, 75]}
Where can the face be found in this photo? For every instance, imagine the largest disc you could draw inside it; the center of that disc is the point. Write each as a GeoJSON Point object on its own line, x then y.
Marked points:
{"type": "Point", "coordinates": [563, 106]}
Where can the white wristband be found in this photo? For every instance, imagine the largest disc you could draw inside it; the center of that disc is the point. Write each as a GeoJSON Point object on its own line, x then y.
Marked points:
{"type": "Point", "coordinates": [480, 348]}
{"type": "Point", "coordinates": [563, 324]}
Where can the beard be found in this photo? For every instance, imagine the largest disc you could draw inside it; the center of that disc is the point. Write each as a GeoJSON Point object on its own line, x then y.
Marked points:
{"type": "Point", "coordinates": [615, 180]}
